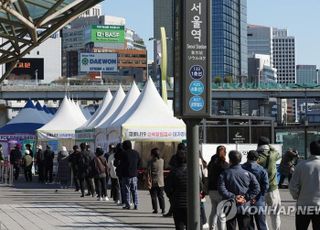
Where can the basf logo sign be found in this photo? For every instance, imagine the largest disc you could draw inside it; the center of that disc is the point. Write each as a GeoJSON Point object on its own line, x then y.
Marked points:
{"type": "Point", "coordinates": [108, 33]}
{"type": "Point", "coordinates": [99, 62]}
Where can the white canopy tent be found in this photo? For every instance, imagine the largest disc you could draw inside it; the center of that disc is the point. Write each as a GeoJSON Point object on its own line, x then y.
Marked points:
{"type": "Point", "coordinates": [100, 134]}
{"type": "Point", "coordinates": [149, 119]}
{"type": "Point", "coordinates": [149, 123]}
{"type": "Point", "coordinates": [125, 105]}
{"type": "Point", "coordinates": [85, 133]}
{"type": "Point", "coordinates": [62, 126]}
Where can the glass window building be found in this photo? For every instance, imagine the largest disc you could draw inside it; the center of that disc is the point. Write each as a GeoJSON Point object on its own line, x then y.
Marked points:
{"type": "Point", "coordinates": [229, 38]}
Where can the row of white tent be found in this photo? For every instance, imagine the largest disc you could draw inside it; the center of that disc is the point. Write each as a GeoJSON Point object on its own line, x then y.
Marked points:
{"type": "Point", "coordinates": [133, 116]}
{"type": "Point", "coordinates": [136, 116]}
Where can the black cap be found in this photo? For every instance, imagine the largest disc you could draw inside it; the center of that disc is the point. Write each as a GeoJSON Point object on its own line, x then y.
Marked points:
{"type": "Point", "coordinates": [263, 141]}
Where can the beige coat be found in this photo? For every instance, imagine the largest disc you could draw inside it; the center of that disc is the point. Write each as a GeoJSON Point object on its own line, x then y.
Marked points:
{"type": "Point", "coordinates": [155, 172]}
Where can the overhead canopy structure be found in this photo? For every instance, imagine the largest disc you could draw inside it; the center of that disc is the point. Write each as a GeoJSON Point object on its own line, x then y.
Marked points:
{"type": "Point", "coordinates": [24, 24]}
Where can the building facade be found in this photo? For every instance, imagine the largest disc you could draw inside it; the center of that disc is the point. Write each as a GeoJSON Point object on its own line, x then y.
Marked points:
{"type": "Point", "coordinates": [307, 74]}
{"type": "Point", "coordinates": [40, 65]}
{"type": "Point", "coordinates": [260, 70]}
{"type": "Point", "coordinates": [260, 41]}
{"type": "Point", "coordinates": [164, 17]}
{"type": "Point", "coordinates": [284, 56]}
{"type": "Point", "coordinates": [229, 38]}
{"type": "Point", "coordinates": [284, 60]}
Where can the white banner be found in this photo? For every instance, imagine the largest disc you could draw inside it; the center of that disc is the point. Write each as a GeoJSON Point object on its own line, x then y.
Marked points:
{"type": "Point", "coordinates": [154, 134]}
{"type": "Point", "coordinates": [52, 135]}
{"type": "Point", "coordinates": [98, 62]}
{"type": "Point", "coordinates": [208, 150]}
{"type": "Point", "coordinates": [85, 135]}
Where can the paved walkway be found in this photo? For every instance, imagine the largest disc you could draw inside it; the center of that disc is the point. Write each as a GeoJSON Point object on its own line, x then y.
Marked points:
{"type": "Point", "coordinates": [34, 206]}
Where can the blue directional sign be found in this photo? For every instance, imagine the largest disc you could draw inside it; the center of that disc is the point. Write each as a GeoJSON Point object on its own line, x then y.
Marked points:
{"type": "Point", "coordinates": [196, 88]}
{"type": "Point", "coordinates": [196, 103]}
{"type": "Point", "coordinates": [196, 72]}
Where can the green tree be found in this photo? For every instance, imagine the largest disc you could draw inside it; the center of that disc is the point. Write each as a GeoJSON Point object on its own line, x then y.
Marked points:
{"type": "Point", "coordinates": [217, 80]}
{"type": "Point", "coordinates": [228, 79]}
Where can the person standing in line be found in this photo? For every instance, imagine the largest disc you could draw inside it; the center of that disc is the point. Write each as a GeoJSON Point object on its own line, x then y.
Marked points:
{"type": "Point", "coordinates": [27, 162]}
{"type": "Point", "coordinates": [287, 164]}
{"type": "Point", "coordinates": [82, 163]}
{"type": "Point", "coordinates": [74, 166]}
{"type": "Point", "coordinates": [268, 158]}
{"type": "Point", "coordinates": [115, 187]}
{"type": "Point", "coordinates": [176, 189]}
{"type": "Point", "coordinates": [261, 175]}
{"type": "Point", "coordinates": [173, 164]}
{"type": "Point", "coordinates": [156, 180]}
{"type": "Point", "coordinates": [216, 166]}
{"type": "Point", "coordinates": [106, 155]}
{"type": "Point", "coordinates": [101, 169]}
{"type": "Point", "coordinates": [48, 158]}
{"type": "Point", "coordinates": [241, 186]}
{"type": "Point", "coordinates": [15, 160]}
{"type": "Point", "coordinates": [203, 170]}
{"type": "Point", "coordinates": [305, 188]}
{"type": "Point", "coordinates": [85, 168]}
{"type": "Point", "coordinates": [28, 147]}
{"type": "Point", "coordinates": [64, 172]}
{"type": "Point", "coordinates": [1, 154]}
{"type": "Point", "coordinates": [40, 163]}
{"type": "Point", "coordinates": [118, 163]}
{"type": "Point", "coordinates": [131, 162]}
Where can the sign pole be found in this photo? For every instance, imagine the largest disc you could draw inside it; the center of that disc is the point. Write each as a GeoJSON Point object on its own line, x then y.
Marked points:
{"type": "Point", "coordinates": [192, 86]}
{"type": "Point", "coordinates": [193, 190]}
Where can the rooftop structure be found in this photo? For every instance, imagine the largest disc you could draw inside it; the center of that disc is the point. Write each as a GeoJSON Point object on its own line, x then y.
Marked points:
{"type": "Point", "coordinates": [26, 24]}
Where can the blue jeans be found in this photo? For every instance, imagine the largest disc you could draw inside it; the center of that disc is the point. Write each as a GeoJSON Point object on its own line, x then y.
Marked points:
{"type": "Point", "coordinates": [130, 185]}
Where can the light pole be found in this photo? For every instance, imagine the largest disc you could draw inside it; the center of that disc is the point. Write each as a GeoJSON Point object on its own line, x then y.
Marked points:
{"type": "Point", "coordinates": [36, 75]}
{"type": "Point", "coordinates": [154, 59]}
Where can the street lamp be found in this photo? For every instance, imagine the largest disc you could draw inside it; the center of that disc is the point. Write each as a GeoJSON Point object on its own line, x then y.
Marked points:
{"type": "Point", "coordinates": [36, 76]}
{"type": "Point", "coordinates": [162, 80]}
{"type": "Point", "coordinates": [155, 43]}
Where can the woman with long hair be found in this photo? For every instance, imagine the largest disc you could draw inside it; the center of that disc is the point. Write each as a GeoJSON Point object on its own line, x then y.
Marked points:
{"type": "Point", "coordinates": [216, 166]}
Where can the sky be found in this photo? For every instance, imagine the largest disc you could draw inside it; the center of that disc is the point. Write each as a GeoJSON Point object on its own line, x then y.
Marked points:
{"type": "Point", "coordinates": [299, 17]}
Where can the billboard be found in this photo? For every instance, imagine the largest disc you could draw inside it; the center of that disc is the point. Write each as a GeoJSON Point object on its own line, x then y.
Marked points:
{"type": "Point", "coordinates": [27, 69]}
{"type": "Point", "coordinates": [107, 34]}
{"type": "Point", "coordinates": [99, 62]}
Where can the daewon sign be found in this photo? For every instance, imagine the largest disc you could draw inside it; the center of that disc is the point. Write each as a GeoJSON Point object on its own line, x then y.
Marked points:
{"type": "Point", "coordinates": [98, 62]}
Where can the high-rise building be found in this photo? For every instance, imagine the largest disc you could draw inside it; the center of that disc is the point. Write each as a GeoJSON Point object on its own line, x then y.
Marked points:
{"type": "Point", "coordinates": [229, 38]}
{"type": "Point", "coordinates": [163, 17]}
{"type": "Point", "coordinates": [284, 60]}
{"type": "Point", "coordinates": [229, 35]}
{"type": "Point", "coordinates": [260, 41]}
{"type": "Point", "coordinates": [260, 70]}
{"type": "Point", "coordinates": [284, 56]}
{"type": "Point", "coordinates": [307, 74]}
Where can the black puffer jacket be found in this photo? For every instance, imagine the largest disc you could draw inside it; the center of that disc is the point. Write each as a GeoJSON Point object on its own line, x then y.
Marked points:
{"type": "Point", "coordinates": [215, 168]}
{"type": "Point", "coordinates": [176, 186]}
